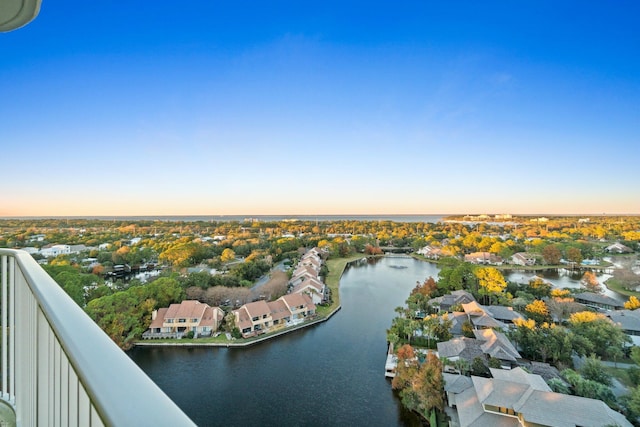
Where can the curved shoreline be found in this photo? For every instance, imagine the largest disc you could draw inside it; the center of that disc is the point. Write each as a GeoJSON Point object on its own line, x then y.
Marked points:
{"type": "Point", "coordinates": [246, 343]}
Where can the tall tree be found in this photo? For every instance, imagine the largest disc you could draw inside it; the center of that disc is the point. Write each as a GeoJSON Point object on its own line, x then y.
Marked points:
{"type": "Point", "coordinates": [551, 254]}
{"type": "Point", "coordinates": [490, 282]}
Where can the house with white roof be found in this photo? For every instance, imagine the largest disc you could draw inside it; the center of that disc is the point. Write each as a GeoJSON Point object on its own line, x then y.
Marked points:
{"type": "Point", "coordinates": [618, 248]}
{"type": "Point", "coordinates": [55, 250]}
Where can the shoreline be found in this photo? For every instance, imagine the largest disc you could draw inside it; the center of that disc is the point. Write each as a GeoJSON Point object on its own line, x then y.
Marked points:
{"type": "Point", "coordinates": [245, 343]}
{"type": "Point", "coordinates": [332, 281]}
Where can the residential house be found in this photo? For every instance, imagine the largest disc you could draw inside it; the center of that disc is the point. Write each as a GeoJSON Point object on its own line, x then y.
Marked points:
{"type": "Point", "coordinates": [486, 258]}
{"type": "Point", "coordinates": [515, 398]}
{"type": "Point", "coordinates": [486, 344]}
{"type": "Point", "coordinates": [432, 252]}
{"type": "Point", "coordinates": [480, 317]}
{"type": "Point", "coordinates": [178, 319]}
{"type": "Point", "coordinates": [253, 318]}
{"type": "Point", "coordinates": [618, 248]}
{"type": "Point", "coordinates": [314, 288]}
{"type": "Point", "coordinates": [260, 316]}
{"type": "Point", "coordinates": [496, 344]}
{"type": "Point", "coordinates": [598, 301]}
{"type": "Point", "coordinates": [629, 321]}
{"type": "Point", "coordinates": [303, 273]}
{"type": "Point", "coordinates": [455, 298]}
{"type": "Point", "coordinates": [523, 258]}
{"type": "Point", "coordinates": [55, 250]}
{"type": "Point", "coordinates": [504, 314]}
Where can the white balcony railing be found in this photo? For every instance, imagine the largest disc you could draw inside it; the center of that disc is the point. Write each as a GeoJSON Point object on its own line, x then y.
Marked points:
{"type": "Point", "coordinates": [59, 368]}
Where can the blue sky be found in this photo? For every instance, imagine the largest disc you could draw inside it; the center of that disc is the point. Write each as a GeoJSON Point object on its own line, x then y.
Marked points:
{"type": "Point", "coordinates": [326, 108]}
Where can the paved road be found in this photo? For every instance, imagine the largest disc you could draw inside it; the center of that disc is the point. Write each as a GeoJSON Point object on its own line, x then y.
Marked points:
{"type": "Point", "coordinates": [265, 279]}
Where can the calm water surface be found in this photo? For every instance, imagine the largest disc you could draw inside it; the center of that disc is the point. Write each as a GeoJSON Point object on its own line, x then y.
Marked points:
{"type": "Point", "coordinates": [331, 374]}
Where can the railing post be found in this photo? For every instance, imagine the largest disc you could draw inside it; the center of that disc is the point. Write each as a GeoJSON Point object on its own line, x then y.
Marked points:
{"type": "Point", "coordinates": [5, 391]}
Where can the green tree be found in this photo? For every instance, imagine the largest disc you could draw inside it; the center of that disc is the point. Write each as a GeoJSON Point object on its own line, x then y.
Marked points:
{"type": "Point", "coordinates": [593, 369]}
{"type": "Point", "coordinates": [574, 255]}
{"type": "Point", "coordinates": [599, 330]}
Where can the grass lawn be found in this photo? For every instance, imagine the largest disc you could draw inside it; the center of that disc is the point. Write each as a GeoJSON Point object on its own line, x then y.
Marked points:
{"type": "Point", "coordinates": [336, 268]}
{"type": "Point", "coordinates": [616, 285]}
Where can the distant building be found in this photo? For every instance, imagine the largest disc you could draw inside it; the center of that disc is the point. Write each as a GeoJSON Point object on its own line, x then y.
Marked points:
{"type": "Point", "coordinates": [523, 258]}
{"type": "Point", "coordinates": [618, 248]}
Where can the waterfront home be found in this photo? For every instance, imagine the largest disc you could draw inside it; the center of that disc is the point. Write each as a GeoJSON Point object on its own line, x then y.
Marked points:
{"type": "Point", "coordinates": [480, 317]}
{"type": "Point", "coordinates": [496, 344]}
{"type": "Point", "coordinates": [523, 258]}
{"type": "Point", "coordinates": [303, 273]}
{"type": "Point", "coordinates": [432, 252]}
{"type": "Point", "coordinates": [485, 258]}
{"type": "Point", "coordinates": [514, 398]}
{"type": "Point", "coordinates": [178, 319]}
{"type": "Point", "coordinates": [504, 314]}
{"type": "Point", "coordinates": [312, 287]}
{"type": "Point", "coordinates": [618, 248]}
{"type": "Point", "coordinates": [455, 298]}
{"type": "Point", "coordinates": [598, 301]}
{"type": "Point", "coordinates": [260, 316]}
{"type": "Point", "coordinates": [629, 321]}
{"type": "Point", "coordinates": [486, 344]}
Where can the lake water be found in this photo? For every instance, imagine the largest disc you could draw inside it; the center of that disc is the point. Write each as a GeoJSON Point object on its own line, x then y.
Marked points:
{"type": "Point", "coordinates": [562, 279]}
{"type": "Point", "coordinates": [327, 375]}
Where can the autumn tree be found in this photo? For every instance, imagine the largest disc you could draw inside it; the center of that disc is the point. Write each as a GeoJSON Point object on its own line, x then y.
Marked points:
{"type": "Point", "coordinates": [551, 254]}
{"type": "Point", "coordinates": [633, 303]}
{"type": "Point", "coordinates": [539, 287]}
{"type": "Point", "coordinates": [420, 386]}
{"type": "Point", "coordinates": [227, 255]}
{"type": "Point", "coordinates": [372, 250]}
{"type": "Point", "coordinates": [599, 330]}
{"type": "Point", "coordinates": [574, 255]}
{"type": "Point", "coordinates": [538, 311]}
{"type": "Point", "coordinates": [590, 281]}
{"type": "Point", "coordinates": [490, 282]}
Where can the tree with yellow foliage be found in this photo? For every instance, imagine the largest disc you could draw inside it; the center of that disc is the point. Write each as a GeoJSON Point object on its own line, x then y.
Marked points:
{"type": "Point", "coordinates": [538, 311]}
{"type": "Point", "coordinates": [490, 282]}
{"type": "Point", "coordinates": [599, 330]}
{"type": "Point", "coordinates": [227, 255]}
{"type": "Point", "coordinates": [632, 304]}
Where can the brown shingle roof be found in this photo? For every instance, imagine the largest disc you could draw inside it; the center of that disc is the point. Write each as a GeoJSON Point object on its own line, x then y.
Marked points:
{"type": "Point", "coordinates": [186, 310]}
{"type": "Point", "coordinates": [157, 322]}
{"type": "Point", "coordinates": [257, 308]}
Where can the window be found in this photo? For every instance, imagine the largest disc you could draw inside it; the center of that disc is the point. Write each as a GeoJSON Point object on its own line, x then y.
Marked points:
{"type": "Point", "coordinates": [169, 320]}
{"type": "Point", "coordinates": [182, 320]}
